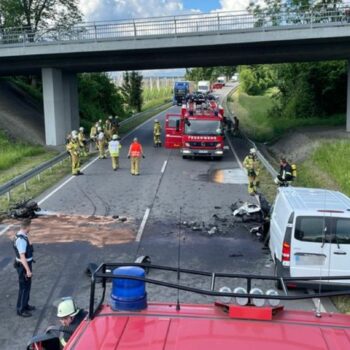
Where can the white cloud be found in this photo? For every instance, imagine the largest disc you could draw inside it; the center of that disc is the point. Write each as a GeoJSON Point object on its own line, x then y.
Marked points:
{"type": "Point", "coordinates": [237, 5]}
{"type": "Point", "coordinates": [105, 10]}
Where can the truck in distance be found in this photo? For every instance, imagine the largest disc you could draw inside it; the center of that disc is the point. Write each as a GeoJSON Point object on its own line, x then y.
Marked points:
{"type": "Point", "coordinates": [180, 91]}
{"type": "Point", "coordinates": [203, 87]}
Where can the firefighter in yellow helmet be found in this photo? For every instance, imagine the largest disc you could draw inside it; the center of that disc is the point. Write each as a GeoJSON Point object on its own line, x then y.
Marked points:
{"type": "Point", "coordinates": [70, 318]}
{"type": "Point", "coordinates": [157, 130]}
{"type": "Point", "coordinates": [73, 148]}
{"type": "Point", "coordinates": [101, 141]}
{"type": "Point", "coordinates": [252, 164]}
{"type": "Point", "coordinates": [82, 142]}
{"type": "Point", "coordinates": [93, 135]}
{"type": "Point", "coordinates": [114, 147]}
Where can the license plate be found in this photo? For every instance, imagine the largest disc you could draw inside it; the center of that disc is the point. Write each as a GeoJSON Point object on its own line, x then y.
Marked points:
{"type": "Point", "coordinates": [203, 151]}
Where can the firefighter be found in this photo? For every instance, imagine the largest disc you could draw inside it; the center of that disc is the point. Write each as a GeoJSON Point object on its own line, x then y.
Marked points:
{"type": "Point", "coordinates": [135, 153]}
{"type": "Point", "coordinates": [157, 130]}
{"type": "Point", "coordinates": [73, 148]}
{"type": "Point", "coordinates": [115, 125]}
{"type": "Point", "coordinates": [101, 141]}
{"type": "Point", "coordinates": [93, 135]}
{"type": "Point", "coordinates": [70, 318]}
{"type": "Point", "coordinates": [252, 164]}
{"type": "Point", "coordinates": [108, 128]}
{"type": "Point", "coordinates": [114, 147]}
{"type": "Point", "coordinates": [82, 142]}
{"type": "Point", "coordinates": [285, 176]}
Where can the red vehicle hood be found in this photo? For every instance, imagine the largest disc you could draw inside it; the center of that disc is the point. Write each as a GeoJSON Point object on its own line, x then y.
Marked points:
{"type": "Point", "coordinates": [205, 327]}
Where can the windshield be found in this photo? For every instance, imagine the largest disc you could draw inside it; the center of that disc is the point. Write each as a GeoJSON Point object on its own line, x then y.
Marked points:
{"type": "Point", "coordinates": [203, 88]}
{"type": "Point", "coordinates": [203, 127]}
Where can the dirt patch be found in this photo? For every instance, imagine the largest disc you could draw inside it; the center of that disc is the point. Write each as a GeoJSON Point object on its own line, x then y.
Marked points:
{"type": "Point", "coordinates": [97, 230]}
{"type": "Point", "coordinates": [298, 145]}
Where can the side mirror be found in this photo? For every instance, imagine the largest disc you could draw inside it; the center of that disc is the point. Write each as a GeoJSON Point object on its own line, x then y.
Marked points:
{"type": "Point", "coordinates": [178, 125]}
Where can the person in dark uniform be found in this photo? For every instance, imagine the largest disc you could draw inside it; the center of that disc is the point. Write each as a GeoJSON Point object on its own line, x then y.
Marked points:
{"type": "Point", "coordinates": [70, 318]}
{"type": "Point", "coordinates": [23, 264]}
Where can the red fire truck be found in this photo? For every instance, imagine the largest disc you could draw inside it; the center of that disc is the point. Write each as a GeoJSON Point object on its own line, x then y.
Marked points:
{"type": "Point", "coordinates": [197, 132]}
{"type": "Point", "coordinates": [246, 318]}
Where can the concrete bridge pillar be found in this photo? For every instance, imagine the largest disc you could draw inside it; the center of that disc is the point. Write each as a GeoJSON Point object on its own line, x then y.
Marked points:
{"type": "Point", "coordinates": [348, 101]}
{"type": "Point", "coordinates": [61, 108]}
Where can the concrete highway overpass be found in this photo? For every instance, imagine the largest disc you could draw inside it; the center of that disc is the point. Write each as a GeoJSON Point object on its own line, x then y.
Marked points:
{"type": "Point", "coordinates": [169, 42]}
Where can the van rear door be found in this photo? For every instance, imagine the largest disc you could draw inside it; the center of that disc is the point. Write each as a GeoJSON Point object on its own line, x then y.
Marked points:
{"type": "Point", "coordinates": [340, 251]}
{"type": "Point", "coordinates": [310, 246]}
{"type": "Point", "coordinates": [173, 131]}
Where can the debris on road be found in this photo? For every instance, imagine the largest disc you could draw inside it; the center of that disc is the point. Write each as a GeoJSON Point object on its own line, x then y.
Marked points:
{"type": "Point", "coordinates": [212, 230]}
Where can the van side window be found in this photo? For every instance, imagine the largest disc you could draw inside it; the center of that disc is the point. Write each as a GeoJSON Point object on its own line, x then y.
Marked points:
{"type": "Point", "coordinates": [310, 229]}
{"type": "Point", "coordinates": [342, 231]}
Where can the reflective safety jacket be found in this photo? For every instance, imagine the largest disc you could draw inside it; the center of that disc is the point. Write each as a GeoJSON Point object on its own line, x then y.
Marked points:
{"type": "Point", "coordinates": [114, 146]}
{"type": "Point", "coordinates": [252, 164]}
{"type": "Point", "coordinates": [135, 150]}
{"type": "Point", "coordinates": [157, 129]}
{"type": "Point", "coordinates": [73, 148]}
{"type": "Point", "coordinates": [93, 132]}
{"type": "Point", "coordinates": [81, 138]}
{"type": "Point", "coordinates": [29, 247]}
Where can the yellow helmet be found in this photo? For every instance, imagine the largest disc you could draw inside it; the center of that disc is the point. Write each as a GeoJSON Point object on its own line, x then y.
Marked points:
{"type": "Point", "coordinates": [66, 308]}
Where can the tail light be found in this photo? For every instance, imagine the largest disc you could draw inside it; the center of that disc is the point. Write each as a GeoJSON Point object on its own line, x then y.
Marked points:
{"type": "Point", "coordinates": [286, 254]}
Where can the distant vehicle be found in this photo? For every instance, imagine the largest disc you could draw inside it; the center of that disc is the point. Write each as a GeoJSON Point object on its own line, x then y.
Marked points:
{"type": "Point", "coordinates": [242, 316]}
{"type": "Point", "coordinates": [196, 132]}
{"type": "Point", "coordinates": [221, 80]}
{"type": "Point", "coordinates": [181, 90]}
{"type": "Point", "coordinates": [310, 235]}
{"type": "Point", "coordinates": [235, 77]}
{"type": "Point", "coordinates": [203, 86]}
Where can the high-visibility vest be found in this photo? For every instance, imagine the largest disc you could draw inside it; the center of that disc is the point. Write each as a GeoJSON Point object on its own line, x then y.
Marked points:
{"type": "Point", "coordinates": [114, 147]}
{"type": "Point", "coordinates": [135, 150]}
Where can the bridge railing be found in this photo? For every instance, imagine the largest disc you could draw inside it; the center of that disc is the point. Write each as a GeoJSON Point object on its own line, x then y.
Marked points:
{"type": "Point", "coordinates": [195, 24]}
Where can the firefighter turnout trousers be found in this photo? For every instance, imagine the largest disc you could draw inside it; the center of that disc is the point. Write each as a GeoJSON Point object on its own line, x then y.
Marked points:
{"type": "Point", "coordinates": [135, 165]}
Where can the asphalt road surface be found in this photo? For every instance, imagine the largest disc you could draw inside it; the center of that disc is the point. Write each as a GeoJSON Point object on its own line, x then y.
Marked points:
{"type": "Point", "coordinates": [169, 191]}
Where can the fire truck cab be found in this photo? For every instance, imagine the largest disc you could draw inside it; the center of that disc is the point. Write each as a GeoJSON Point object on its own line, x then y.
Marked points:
{"type": "Point", "coordinates": [196, 132]}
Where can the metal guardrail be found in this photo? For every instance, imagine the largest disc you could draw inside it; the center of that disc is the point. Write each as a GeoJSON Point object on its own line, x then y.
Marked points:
{"type": "Point", "coordinates": [292, 17]}
{"type": "Point", "coordinates": [261, 157]}
{"type": "Point", "coordinates": [22, 179]}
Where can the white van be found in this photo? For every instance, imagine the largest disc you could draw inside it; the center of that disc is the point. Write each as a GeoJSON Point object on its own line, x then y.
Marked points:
{"type": "Point", "coordinates": [310, 235]}
{"type": "Point", "coordinates": [203, 87]}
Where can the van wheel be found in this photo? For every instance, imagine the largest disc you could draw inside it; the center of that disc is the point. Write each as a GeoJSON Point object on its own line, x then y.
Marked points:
{"type": "Point", "coordinates": [277, 273]}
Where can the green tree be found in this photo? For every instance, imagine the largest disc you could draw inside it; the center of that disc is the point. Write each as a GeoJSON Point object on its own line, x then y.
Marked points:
{"type": "Point", "coordinates": [211, 73]}
{"type": "Point", "coordinates": [37, 15]}
{"type": "Point", "coordinates": [98, 97]}
{"type": "Point", "coordinates": [132, 90]}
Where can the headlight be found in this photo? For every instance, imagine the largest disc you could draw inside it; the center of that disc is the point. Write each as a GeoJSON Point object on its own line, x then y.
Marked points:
{"type": "Point", "coordinates": [240, 300]}
{"type": "Point", "coordinates": [225, 300]}
{"type": "Point", "coordinates": [255, 301]}
{"type": "Point", "coordinates": [273, 302]}
{"type": "Point", "coordinates": [187, 144]}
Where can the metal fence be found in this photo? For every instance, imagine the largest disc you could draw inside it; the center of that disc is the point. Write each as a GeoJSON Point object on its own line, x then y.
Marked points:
{"type": "Point", "coordinates": [199, 24]}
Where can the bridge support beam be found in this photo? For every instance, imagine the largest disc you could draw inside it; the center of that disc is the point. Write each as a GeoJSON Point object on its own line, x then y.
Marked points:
{"type": "Point", "coordinates": [348, 101]}
{"type": "Point", "coordinates": [61, 108]}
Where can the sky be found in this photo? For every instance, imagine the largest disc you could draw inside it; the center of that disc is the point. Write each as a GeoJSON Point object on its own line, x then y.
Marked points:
{"type": "Point", "coordinates": [109, 10]}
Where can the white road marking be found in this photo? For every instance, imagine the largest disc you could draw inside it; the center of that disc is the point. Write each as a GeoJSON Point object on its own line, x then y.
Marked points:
{"type": "Point", "coordinates": [142, 226]}
{"type": "Point", "coordinates": [235, 154]}
{"type": "Point", "coordinates": [164, 166]}
{"type": "Point", "coordinates": [5, 230]}
{"type": "Point", "coordinates": [65, 183]}
{"type": "Point", "coordinates": [95, 159]}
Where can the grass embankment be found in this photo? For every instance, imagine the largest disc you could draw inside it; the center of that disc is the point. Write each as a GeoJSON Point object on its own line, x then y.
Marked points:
{"type": "Point", "coordinates": [155, 97]}
{"type": "Point", "coordinates": [259, 123]}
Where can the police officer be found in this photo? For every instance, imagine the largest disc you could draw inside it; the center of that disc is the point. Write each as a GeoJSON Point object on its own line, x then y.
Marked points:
{"type": "Point", "coordinates": [252, 164]}
{"type": "Point", "coordinates": [114, 147]}
{"type": "Point", "coordinates": [23, 264]}
{"type": "Point", "coordinates": [70, 318]}
{"type": "Point", "coordinates": [135, 153]}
